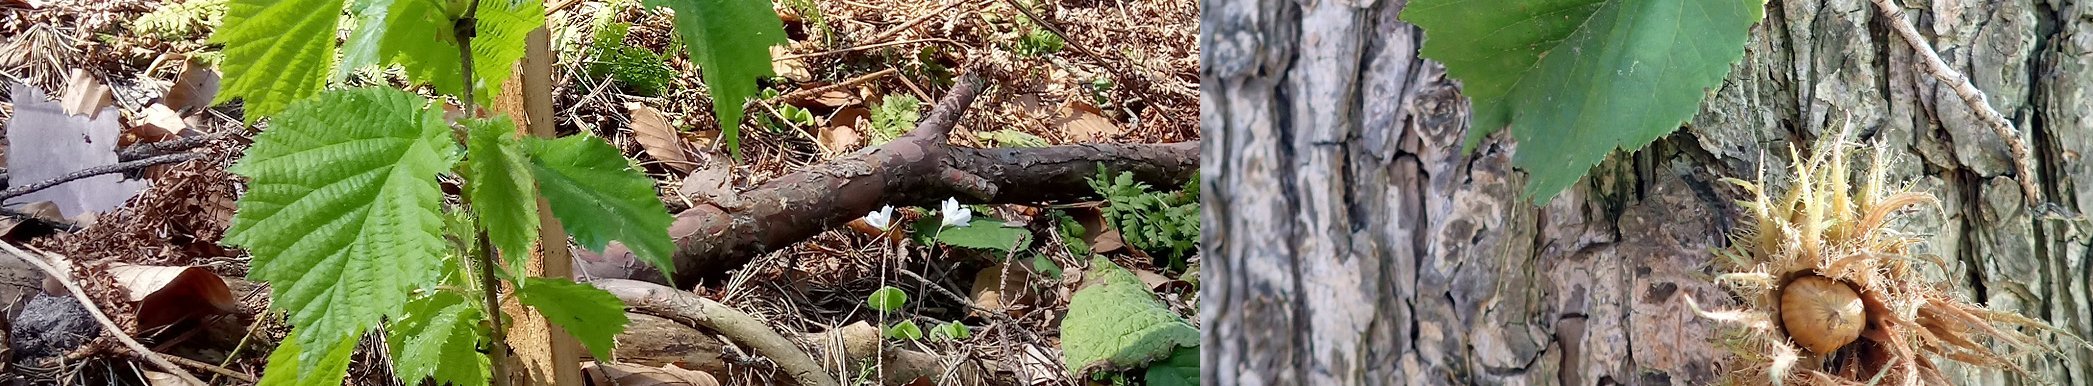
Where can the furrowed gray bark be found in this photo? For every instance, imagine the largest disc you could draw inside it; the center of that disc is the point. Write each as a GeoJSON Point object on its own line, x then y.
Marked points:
{"type": "Point", "coordinates": [1349, 241]}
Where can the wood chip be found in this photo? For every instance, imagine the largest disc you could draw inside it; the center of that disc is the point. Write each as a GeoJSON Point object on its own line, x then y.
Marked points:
{"type": "Point", "coordinates": [85, 95]}
{"type": "Point", "coordinates": [193, 89]}
{"type": "Point", "coordinates": [158, 123]}
{"type": "Point", "coordinates": [659, 138]}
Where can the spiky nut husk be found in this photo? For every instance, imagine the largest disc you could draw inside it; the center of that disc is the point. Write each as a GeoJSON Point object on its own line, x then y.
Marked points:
{"type": "Point", "coordinates": [1821, 314]}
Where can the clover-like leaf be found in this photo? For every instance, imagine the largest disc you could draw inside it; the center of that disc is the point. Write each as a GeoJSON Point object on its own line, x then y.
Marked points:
{"type": "Point", "coordinates": [593, 315]}
{"type": "Point", "coordinates": [342, 208]}
{"type": "Point", "coordinates": [1577, 79]}
{"type": "Point", "coordinates": [276, 52]}
{"type": "Point", "coordinates": [887, 299]}
{"type": "Point", "coordinates": [599, 196]}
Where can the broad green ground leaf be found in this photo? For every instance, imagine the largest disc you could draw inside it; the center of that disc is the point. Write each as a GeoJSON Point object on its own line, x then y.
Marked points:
{"type": "Point", "coordinates": [342, 208]}
{"type": "Point", "coordinates": [599, 196]}
{"type": "Point", "coordinates": [285, 368]}
{"type": "Point", "coordinates": [1181, 369]}
{"type": "Point", "coordinates": [500, 185]}
{"type": "Point", "coordinates": [985, 233]}
{"type": "Point", "coordinates": [418, 37]}
{"type": "Point", "coordinates": [730, 41]}
{"type": "Point", "coordinates": [1575, 79]}
{"type": "Point", "coordinates": [593, 315]}
{"type": "Point", "coordinates": [439, 336]}
{"type": "Point", "coordinates": [276, 52]}
{"type": "Point", "coordinates": [887, 299]}
{"type": "Point", "coordinates": [1115, 323]}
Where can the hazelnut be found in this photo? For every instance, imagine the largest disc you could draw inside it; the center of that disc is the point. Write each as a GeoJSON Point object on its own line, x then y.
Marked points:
{"type": "Point", "coordinates": [1821, 314]}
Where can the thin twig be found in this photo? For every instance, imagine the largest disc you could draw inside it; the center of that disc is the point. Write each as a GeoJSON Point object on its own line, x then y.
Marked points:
{"type": "Point", "coordinates": [805, 94]}
{"type": "Point", "coordinates": [882, 36]}
{"type": "Point", "coordinates": [156, 358]}
{"type": "Point", "coordinates": [98, 170]}
{"type": "Point", "coordinates": [860, 48]}
{"type": "Point", "coordinates": [214, 369]}
{"type": "Point", "coordinates": [1892, 14]}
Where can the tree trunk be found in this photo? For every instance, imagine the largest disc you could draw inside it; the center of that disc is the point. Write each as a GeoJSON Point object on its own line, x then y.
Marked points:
{"type": "Point", "coordinates": [1349, 241]}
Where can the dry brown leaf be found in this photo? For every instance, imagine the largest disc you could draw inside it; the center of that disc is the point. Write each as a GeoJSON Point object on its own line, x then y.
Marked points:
{"type": "Point", "coordinates": [1085, 122]}
{"type": "Point", "coordinates": [793, 69]}
{"type": "Point", "coordinates": [626, 374]}
{"type": "Point", "coordinates": [166, 295]}
{"type": "Point", "coordinates": [40, 209]}
{"type": "Point", "coordinates": [840, 139]}
{"type": "Point", "coordinates": [1100, 237]}
{"type": "Point", "coordinates": [155, 378]}
{"type": "Point", "coordinates": [841, 133]}
{"type": "Point", "coordinates": [85, 95]}
{"type": "Point", "coordinates": [990, 286]}
{"type": "Point", "coordinates": [659, 138]}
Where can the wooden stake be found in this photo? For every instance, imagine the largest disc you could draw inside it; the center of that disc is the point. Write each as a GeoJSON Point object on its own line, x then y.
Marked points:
{"type": "Point", "coordinates": [547, 354]}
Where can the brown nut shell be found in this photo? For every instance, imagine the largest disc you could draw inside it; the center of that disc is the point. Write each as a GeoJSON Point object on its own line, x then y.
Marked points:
{"type": "Point", "coordinates": [1821, 314]}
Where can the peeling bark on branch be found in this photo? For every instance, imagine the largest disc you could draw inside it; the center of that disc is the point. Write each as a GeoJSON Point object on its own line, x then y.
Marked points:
{"type": "Point", "coordinates": [917, 169]}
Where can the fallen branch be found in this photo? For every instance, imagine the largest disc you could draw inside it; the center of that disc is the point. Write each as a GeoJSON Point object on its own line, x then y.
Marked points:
{"type": "Point", "coordinates": [690, 308]}
{"type": "Point", "coordinates": [1891, 14]}
{"type": "Point", "coordinates": [96, 171]}
{"type": "Point", "coordinates": [853, 349]}
{"type": "Point", "coordinates": [107, 325]}
{"type": "Point", "coordinates": [143, 151]}
{"type": "Point", "coordinates": [919, 168]}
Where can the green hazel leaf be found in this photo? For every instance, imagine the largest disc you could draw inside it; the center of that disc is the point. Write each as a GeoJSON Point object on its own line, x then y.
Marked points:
{"type": "Point", "coordinates": [730, 41]}
{"type": "Point", "coordinates": [907, 329]}
{"type": "Point", "coordinates": [1114, 323]}
{"type": "Point", "coordinates": [1577, 79]}
{"type": "Point", "coordinates": [276, 52]}
{"type": "Point", "coordinates": [593, 315]}
{"type": "Point", "coordinates": [1181, 369]}
{"type": "Point", "coordinates": [361, 48]}
{"type": "Point", "coordinates": [342, 208]}
{"type": "Point", "coordinates": [499, 183]}
{"type": "Point", "coordinates": [887, 299]}
{"type": "Point", "coordinates": [438, 337]}
{"type": "Point", "coordinates": [287, 369]}
{"type": "Point", "coordinates": [985, 233]}
{"type": "Point", "coordinates": [599, 196]}
{"type": "Point", "coordinates": [418, 36]}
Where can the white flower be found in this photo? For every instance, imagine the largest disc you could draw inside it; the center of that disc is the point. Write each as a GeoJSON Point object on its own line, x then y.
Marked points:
{"type": "Point", "coordinates": [880, 219]}
{"type": "Point", "coordinates": [956, 215]}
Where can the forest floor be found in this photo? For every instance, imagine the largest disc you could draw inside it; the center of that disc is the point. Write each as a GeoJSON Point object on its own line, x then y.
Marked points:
{"type": "Point", "coordinates": [1097, 71]}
